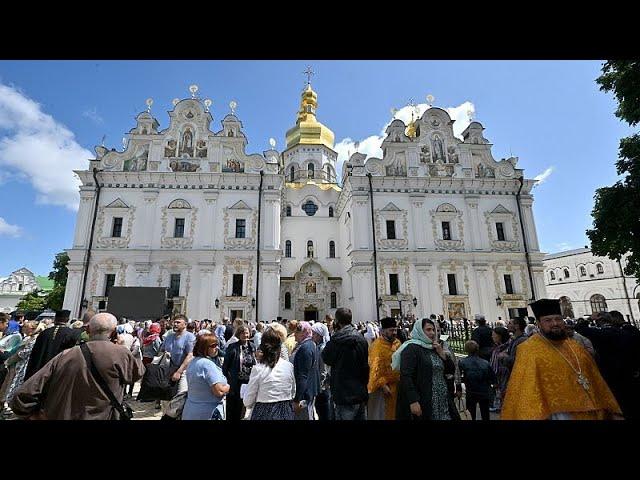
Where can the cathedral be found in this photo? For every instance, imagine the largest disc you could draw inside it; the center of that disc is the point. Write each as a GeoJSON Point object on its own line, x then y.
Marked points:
{"type": "Point", "coordinates": [436, 225]}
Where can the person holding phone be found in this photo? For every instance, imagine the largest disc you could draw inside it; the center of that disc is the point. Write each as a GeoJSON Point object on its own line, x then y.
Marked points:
{"type": "Point", "coordinates": [423, 364]}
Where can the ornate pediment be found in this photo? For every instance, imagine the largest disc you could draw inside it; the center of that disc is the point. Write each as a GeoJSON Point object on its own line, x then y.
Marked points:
{"type": "Point", "coordinates": [117, 203]}
{"type": "Point", "coordinates": [500, 209]}
{"type": "Point", "coordinates": [390, 208]}
{"type": "Point", "coordinates": [179, 203]}
{"type": "Point", "coordinates": [240, 205]}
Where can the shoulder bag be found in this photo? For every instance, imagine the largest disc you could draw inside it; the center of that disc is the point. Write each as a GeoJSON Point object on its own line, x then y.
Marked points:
{"type": "Point", "coordinates": [125, 412]}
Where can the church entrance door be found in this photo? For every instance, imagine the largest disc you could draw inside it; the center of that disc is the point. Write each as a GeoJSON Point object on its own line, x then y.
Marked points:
{"type": "Point", "coordinates": [311, 315]}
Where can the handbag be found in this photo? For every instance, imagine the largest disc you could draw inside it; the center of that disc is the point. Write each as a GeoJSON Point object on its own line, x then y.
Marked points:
{"type": "Point", "coordinates": [125, 412]}
{"type": "Point", "coordinates": [176, 406]}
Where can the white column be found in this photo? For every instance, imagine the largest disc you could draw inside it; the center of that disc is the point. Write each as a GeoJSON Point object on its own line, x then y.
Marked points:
{"type": "Point", "coordinates": [206, 220]}
{"type": "Point", "coordinates": [529, 224]}
{"type": "Point", "coordinates": [482, 280]}
{"type": "Point", "coordinates": [425, 307]}
{"type": "Point", "coordinates": [474, 220]}
{"type": "Point", "coordinates": [205, 294]}
{"type": "Point", "coordinates": [84, 217]}
{"type": "Point", "coordinates": [364, 295]}
{"type": "Point", "coordinates": [269, 307]}
{"type": "Point", "coordinates": [145, 221]}
{"type": "Point", "coordinates": [435, 297]}
{"type": "Point", "coordinates": [418, 222]}
{"type": "Point", "coordinates": [473, 293]}
{"type": "Point", "coordinates": [361, 217]}
{"type": "Point", "coordinates": [73, 289]}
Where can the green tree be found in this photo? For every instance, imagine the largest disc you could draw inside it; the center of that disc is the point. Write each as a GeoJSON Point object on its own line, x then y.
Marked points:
{"type": "Point", "coordinates": [32, 301]}
{"type": "Point", "coordinates": [616, 213]}
{"type": "Point", "coordinates": [59, 274]}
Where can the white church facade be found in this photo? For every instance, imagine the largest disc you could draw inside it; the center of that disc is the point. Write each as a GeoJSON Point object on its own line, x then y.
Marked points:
{"type": "Point", "coordinates": [277, 234]}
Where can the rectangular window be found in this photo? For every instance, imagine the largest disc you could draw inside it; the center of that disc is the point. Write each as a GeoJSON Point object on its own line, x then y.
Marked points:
{"type": "Point", "coordinates": [174, 285]}
{"type": "Point", "coordinates": [240, 227]}
{"type": "Point", "coordinates": [178, 230]}
{"type": "Point", "coordinates": [19, 287]}
{"type": "Point", "coordinates": [391, 229]}
{"type": "Point", "coordinates": [116, 231]}
{"type": "Point", "coordinates": [451, 280]}
{"type": "Point", "coordinates": [109, 281]}
{"type": "Point", "coordinates": [500, 231]}
{"type": "Point", "coordinates": [237, 285]}
{"type": "Point", "coordinates": [508, 285]}
{"type": "Point", "coordinates": [446, 231]}
{"type": "Point", "coordinates": [393, 283]}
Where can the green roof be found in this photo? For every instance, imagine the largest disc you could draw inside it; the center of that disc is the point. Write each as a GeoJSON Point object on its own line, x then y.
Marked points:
{"type": "Point", "coordinates": [44, 283]}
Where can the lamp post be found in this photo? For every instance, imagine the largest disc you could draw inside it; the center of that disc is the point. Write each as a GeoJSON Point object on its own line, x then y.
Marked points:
{"type": "Point", "coordinates": [217, 302]}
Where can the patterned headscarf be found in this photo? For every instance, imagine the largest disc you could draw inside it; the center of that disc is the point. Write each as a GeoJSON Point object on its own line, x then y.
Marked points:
{"type": "Point", "coordinates": [418, 337]}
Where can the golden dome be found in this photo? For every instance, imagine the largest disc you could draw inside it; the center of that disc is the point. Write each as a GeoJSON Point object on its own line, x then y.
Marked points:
{"type": "Point", "coordinates": [308, 131]}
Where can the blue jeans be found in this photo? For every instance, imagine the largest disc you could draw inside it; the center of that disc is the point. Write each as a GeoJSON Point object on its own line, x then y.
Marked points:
{"type": "Point", "coordinates": [356, 411]}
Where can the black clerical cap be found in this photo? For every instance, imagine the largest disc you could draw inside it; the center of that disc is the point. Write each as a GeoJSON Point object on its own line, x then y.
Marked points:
{"type": "Point", "coordinates": [388, 322]}
{"type": "Point", "coordinates": [545, 306]}
{"type": "Point", "coordinates": [62, 314]}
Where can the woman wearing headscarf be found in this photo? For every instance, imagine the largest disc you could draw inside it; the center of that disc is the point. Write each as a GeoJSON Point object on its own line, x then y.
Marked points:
{"type": "Point", "coordinates": [323, 399]}
{"type": "Point", "coordinates": [20, 359]}
{"type": "Point", "coordinates": [238, 362]}
{"type": "Point", "coordinates": [151, 344]}
{"type": "Point", "coordinates": [500, 337]}
{"type": "Point", "coordinates": [423, 364]}
{"type": "Point", "coordinates": [307, 372]}
{"type": "Point", "coordinates": [272, 385]}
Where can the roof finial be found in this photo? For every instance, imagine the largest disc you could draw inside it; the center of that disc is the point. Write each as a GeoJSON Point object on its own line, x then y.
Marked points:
{"type": "Point", "coordinates": [193, 89]}
{"type": "Point", "coordinates": [207, 103]}
{"type": "Point", "coordinates": [309, 73]}
{"type": "Point", "coordinates": [233, 105]}
{"type": "Point", "coordinates": [430, 99]}
{"type": "Point", "coordinates": [470, 115]}
{"type": "Point", "coordinates": [149, 103]}
{"type": "Point", "coordinates": [104, 137]}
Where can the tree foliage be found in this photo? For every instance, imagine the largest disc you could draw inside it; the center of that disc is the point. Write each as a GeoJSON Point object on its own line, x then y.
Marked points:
{"type": "Point", "coordinates": [616, 213]}
{"type": "Point", "coordinates": [32, 301]}
{"type": "Point", "coordinates": [60, 273]}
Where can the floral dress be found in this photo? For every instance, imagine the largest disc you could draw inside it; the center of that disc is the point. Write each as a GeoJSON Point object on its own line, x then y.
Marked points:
{"type": "Point", "coordinates": [22, 355]}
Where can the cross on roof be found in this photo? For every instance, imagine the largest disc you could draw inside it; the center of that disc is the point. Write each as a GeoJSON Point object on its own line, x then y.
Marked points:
{"type": "Point", "coordinates": [309, 73]}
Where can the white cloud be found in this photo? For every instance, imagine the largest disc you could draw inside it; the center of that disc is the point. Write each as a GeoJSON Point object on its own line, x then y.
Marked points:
{"type": "Point", "coordinates": [92, 114]}
{"type": "Point", "coordinates": [8, 229]}
{"type": "Point", "coordinates": [540, 178]}
{"type": "Point", "coordinates": [34, 146]}
{"type": "Point", "coordinates": [371, 145]}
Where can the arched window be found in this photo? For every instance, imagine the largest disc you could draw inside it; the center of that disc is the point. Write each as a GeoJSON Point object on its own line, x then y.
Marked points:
{"type": "Point", "coordinates": [598, 303]}
{"type": "Point", "coordinates": [288, 210]}
{"type": "Point", "coordinates": [331, 211]}
{"type": "Point", "coordinates": [309, 249]}
{"type": "Point", "coordinates": [552, 275]}
{"type": "Point", "coordinates": [566, 308]}
{"type": "Point", "coordinates": [287, 249]}
{"type": "Point", "coordinates": [583, 272]}
{"type": "Point", "coordinates": [566, 273]}
{"type": "Point", "coordinates": [310, 208]}
{"type": "Point", "coordinates": [332, 249]}
{"type": "Point", "coordinates": [334, 300]}
{"type": "Point", "coordinates": [292, 174]}
{"type": "Point", "coordinates": [311, 170]}
{"type": "Point", "coordinates": [600, 268]}
{"type": "Point", "coordinates": [287, 301]}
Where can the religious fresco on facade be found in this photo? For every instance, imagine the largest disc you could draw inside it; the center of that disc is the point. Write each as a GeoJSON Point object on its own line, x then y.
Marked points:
{"type": "Point", "coordinates": [137, 163]}
{"type": "Point", "coordinates": [456, 310]}
{"type": "Point", "coordinates": [183, 166]}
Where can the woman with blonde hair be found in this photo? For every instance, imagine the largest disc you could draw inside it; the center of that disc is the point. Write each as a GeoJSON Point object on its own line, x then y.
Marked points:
{"type": "Point", "coordinates": [30, 329]}
{"type": "Point", "coordinates": [282, 333]}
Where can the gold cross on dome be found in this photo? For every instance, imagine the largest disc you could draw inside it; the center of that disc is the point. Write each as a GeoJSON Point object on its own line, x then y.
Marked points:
{"type": "Point", "coordinates": [309, 73]}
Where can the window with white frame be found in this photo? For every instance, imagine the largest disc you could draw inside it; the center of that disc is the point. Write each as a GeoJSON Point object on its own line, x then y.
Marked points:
{"type": "Point", "coordinates": [600, 268]}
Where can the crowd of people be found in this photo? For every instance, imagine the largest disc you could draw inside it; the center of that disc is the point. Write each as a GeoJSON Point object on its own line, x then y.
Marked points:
{"type": "Point", "coordinates": [545, 367]}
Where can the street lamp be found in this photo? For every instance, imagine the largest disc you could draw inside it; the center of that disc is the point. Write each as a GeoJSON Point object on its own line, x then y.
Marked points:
{"type": "Point", "coordinates": [498, 301]}
{"type": "Point", "coordinates": [85, 303]}
{"type": "Point", "coordinates": [217, 302]}
{"type": "Point", "coordinates": [253, 302]}
{"type": "Point", "coordinates": [415, 302]}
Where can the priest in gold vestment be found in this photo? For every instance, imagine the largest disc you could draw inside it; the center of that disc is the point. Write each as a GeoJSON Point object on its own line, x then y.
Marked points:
{"type": "Point", "coordinates": [554, 377]}
{"type": "Point", "coordinates": [383, 381]}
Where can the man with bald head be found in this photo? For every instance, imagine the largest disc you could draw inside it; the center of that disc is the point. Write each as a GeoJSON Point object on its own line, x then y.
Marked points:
{"type": "Point", "coordinates": [65, 389]}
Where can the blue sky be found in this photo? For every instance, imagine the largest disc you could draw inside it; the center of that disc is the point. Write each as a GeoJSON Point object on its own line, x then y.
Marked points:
{"type": "Point", "coordinates": [52, 113]}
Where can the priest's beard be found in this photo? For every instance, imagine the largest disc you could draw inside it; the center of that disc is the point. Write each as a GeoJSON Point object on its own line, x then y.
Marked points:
{"type": "Point", "coordinates": [556, 335]}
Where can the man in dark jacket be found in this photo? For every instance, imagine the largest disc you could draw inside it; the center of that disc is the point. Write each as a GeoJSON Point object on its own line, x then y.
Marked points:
{"type": "Point", "coordinates": [482, 336]}
{"type": "Point", "coordinates": [347, 355]}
